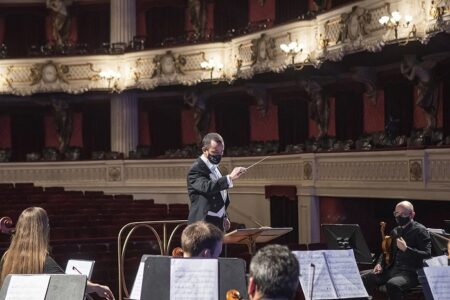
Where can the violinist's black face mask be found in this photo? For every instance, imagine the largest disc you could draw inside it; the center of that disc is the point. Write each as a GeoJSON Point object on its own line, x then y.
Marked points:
{"type": "Point", "coordinates": [402, 220]}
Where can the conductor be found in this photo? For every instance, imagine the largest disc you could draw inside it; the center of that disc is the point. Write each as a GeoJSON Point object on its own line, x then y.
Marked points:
{"type": "Point", "coordinates": [207, 187]}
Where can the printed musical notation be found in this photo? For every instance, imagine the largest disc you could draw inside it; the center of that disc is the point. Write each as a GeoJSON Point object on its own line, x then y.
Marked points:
{"type": "Point", "coordinates": [334, 274]}
{"type": "Point", "coordinates": [439, 281]}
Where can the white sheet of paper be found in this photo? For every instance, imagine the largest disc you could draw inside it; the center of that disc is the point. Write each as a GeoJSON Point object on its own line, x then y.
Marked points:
{"type": "Point", "coordinates": [137, 285]}
{"type": "Point", "coordinates": [194, 279]}
{"type": "Point", "coordinates": [345, 274]}
{"type": "Point", "coordinates": [314, 262]}
{"type": "Point", "coordinates": [439, 281]}
{"type": "Point", "coordinates": [335, 275]}
{"type": "Point", "coordinates": [31, 287]}
{"type": "Point", "coordinates": [437, 261]}
{"type": "Point", "coordinates": [80, 267]}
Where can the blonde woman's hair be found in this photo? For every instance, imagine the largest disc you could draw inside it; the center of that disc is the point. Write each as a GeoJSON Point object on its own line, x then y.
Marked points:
{"type": "Point", "coordinates": [29, 244]}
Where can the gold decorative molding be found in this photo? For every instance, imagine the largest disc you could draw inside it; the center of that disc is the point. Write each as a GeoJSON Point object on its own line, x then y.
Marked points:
{"type": "Point", "coordinates": [307, 170]}
{"type": "Point", "coordinates": [415, 170]}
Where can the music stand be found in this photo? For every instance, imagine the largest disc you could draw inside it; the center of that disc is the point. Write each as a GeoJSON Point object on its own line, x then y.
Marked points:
{"type": "Point", "coordinates": [251, 236]}
{"type": "Point", "coordinates": [156, 279]}
{"type": "Point", "coordinates": [67, 287]}
{"type": "Point", "coordinates": [347, 236]}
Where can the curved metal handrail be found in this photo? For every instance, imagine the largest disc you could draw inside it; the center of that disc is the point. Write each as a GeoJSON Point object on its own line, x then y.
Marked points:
{"type": "Point", "coordinates": [164, 244]}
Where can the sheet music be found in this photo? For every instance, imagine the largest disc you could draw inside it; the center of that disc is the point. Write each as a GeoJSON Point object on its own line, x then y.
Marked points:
{"type": "Point", "coordinates": [344, 273]}
{"type": "Point", "coordinates": [322, 286]}
{"type": "Point", "coordinates": [27, 287]}
{"type": "Point", "coordinates": [437, 261]}
{"type": "Point", "coordinates": [336, 274]}
{"type": "Point", "coordinates": [439, 281]}
{"type": "Point", "coordinates": [137, 285]}
{"type": "Point", "coordinates": [194, 279]}
{"type": "Point", "coordinates": [77, 267]}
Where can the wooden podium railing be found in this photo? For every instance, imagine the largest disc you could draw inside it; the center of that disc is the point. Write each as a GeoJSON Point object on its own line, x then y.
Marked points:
{"type": "Point", "coordinates": [164, 244]}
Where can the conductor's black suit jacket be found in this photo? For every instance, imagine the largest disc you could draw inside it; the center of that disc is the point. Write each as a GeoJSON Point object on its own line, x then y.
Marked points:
{"type": "Point", "coordinates": [204, 192]}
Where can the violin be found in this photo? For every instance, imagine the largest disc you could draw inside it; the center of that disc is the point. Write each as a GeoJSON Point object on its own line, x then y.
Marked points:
{"type": "Point", "coordinates": [386, 242]}
{"type": "Point", "coordinates": [177, 252]}
{"type": "Point", "coordinates": [6, 225]}
{"type": "Point", "coordinates": [233, 295]}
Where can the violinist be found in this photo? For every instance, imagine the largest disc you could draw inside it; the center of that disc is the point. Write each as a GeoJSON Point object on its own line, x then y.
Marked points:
{"type": "Point", "coordinates": [411, 244]}
{"type": "Point", "coordinates": [29, 253]}
{"type": "Point", "coordinates": [202, 239]}
{"type": "Point", "coordinates": [274, 272]}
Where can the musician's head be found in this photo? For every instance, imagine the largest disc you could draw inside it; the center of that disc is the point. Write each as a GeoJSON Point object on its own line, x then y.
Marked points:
{"type": "Point", "coordinates": [212, 147]}
{"type": "Point", "coordinates": [29, 245]}
{"type": "Point", "coordinates": [201, 239]}
{"type": "Point", "coordinates": [274, 273]}
{"type": "Point", "coordinates": [404, 213]}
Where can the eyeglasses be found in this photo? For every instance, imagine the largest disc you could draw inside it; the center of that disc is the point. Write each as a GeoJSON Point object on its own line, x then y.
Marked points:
{"type": "Point", "coordinates": [404, 214]}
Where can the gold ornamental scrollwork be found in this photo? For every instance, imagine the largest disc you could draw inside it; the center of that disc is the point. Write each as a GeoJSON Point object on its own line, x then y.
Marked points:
{"type": "Point", "coordinates": [48, 72]}
{"type": "Point", "coordinates": [415, 170]}
{"type": "Point", "coordinates": [114, 174]}
{"type": "Point", "coordinates": [307, 170]}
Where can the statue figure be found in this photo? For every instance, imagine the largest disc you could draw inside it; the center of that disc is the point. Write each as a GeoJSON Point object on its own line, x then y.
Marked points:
{"type": "Point", "coordinates": [353, 24]}
{"type": "Point", "coordinates": [202, 115]}
{"type": "Point", "coordinates": [317, 105]}
{"type": "Point", "coordinates": [61, 20]}
{"type": "Point", "coordinates": [427, 93]}
{"type": "Point", "coordinates": [63, 123]}
{"type": "Point", "coordinates": [198, 13]}
{"type": "Point", "coordinates": [259, 93]}
{"type": "Point", "coordinates": [263, 49]}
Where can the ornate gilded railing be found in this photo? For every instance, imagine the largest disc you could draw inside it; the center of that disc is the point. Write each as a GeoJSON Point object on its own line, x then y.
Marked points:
{"type": "Point", "coordinates": [127, 231]}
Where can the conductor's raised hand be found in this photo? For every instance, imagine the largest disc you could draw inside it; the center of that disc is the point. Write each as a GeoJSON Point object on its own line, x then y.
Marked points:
{"type": "Point", "coordinates": [237, 172]}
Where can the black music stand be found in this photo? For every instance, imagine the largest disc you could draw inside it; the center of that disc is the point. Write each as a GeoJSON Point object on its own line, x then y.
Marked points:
{"type": "Point", "coordinates": [156, 281]}
{"type": "Point", "coordinates": [347, 236]}
{"type": "Point", "coordinates": [252, 236]}
{"type": "Point", "coordinates": [61, 286]}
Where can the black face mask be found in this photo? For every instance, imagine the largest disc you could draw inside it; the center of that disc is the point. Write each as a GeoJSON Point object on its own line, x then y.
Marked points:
{"type": "Point", "coordinates": [214, 159]}
{"type": "Point", "coordinates": [402, 220]}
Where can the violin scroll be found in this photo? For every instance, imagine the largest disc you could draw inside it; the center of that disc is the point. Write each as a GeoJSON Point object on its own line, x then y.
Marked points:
{"type": "Point", "coordinates": [6, 225]}
{"type": "Point", "coordinates": [233, 295]}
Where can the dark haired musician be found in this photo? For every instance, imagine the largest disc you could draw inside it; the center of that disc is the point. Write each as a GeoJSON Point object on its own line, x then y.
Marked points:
{"type": "Point", "coordinates": [207, 187]}
{"type": "Point", "coordinates": [411, 244]}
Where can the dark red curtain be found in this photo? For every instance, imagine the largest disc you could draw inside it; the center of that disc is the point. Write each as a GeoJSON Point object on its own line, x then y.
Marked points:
{"type": "Point", "coordinates": [164, 118]}
{"type": "Point", "coordinates": [27, 132]}
{"type": "Point", "coordinates": [24, 27]}
{"type": "Point", "coordinates": [349, 115]}
{"type": "Point", "coordinates": [93, 24]}
{"type": "Point", "coordinates": [233, 119]}
{"type": "Point", "coordinates": [289, 10]}
{"type": "Point", "coordinates": [230, 14]}
{"type": "Point", "coordinates": [398, 105]}
{"type": "Point", "coordinates": [96, 127]}
{"type": "Point", "coordinates": [164, 22]}
{"type": "Point", "coordinates": [292, 121]}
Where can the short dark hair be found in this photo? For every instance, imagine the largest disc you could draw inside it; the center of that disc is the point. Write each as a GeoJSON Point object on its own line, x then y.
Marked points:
{"type": "Point", "coordinates": [199, 236]}
{"type": "Point", "coordinates": [275, 271]}
{"type": "Point", "coordinates": [212, 136]}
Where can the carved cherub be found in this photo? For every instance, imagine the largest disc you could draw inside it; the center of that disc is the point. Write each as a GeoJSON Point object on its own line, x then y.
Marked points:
{"type": "Point", "coordinates": [202, 115]}
{"type": "Point", "coordinates": [353, 24]}
{"type": "Point", "coordinates": [166, 64]}
{"type": "Point", "coordinates": [317, 105]}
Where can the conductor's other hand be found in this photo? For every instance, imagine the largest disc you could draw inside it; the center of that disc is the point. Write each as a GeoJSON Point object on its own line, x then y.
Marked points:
{"type": "Point", "coordinates": [226, 224]}
{"type": "Point", "coordinates": [237, 172]}
{"type": "Point", "coordinates": [378, 269]}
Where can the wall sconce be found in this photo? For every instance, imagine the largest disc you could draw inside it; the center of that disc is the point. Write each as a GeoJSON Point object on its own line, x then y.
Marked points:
{"type": "Point", "coordinates": [292, 49]}
{"type": "Point", "coordinates": [393, 22]}
{"type": "Point", "coordinates": [210, 66]}
{"type": "Point", "coordinates": [111, 75]}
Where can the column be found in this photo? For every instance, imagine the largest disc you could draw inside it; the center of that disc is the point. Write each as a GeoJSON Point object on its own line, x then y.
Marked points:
{"type": "Point", "coordinates": [308, 219]}
{"type": "Point", "coordinates": [124, 107]}
{"type": "Point", "coordinates": [124, 123]}
{"type": "Point", "coordinates": [123, 21]}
